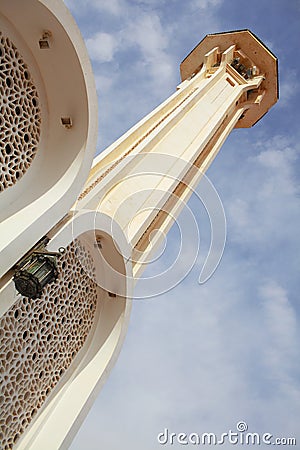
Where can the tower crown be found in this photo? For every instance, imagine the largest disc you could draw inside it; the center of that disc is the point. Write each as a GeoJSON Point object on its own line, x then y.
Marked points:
{"type": "Point", "coordinates": [250, 58]}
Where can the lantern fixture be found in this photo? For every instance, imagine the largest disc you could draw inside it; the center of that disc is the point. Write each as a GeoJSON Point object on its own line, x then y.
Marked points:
{"type": "Point", "coordinates": [36, 270]}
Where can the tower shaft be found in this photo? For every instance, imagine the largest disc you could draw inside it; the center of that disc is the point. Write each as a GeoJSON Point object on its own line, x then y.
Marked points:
{"type": "Point", "coordinates": [164, 155]}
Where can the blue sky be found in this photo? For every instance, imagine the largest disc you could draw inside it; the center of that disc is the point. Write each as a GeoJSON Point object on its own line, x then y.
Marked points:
{"type": "Point", "coordinates": [201, 358]}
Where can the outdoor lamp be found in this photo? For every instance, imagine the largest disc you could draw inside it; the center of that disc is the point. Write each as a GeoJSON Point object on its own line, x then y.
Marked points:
{"type": "Point", "coordinates": [33, 276]}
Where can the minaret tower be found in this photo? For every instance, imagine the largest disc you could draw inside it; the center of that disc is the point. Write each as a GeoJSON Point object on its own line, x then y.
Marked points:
{"type": "Point", "coordinates": [71, 252]}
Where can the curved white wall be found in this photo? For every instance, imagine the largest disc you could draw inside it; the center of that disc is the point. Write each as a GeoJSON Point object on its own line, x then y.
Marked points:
{"type": "Point", "coordinates": [63, 85]}
{"type": "Point", "coordinates": [56, 419]}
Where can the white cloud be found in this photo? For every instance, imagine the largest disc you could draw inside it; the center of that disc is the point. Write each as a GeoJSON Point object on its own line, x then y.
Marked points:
{"type": "Point", "coordinates": [103, 83]}
{"type": "Point", "coordinates": [279, 165]}
{"type": "Point", "coordinates": [282, 325]}
{"type": "Point", "coordinates": [289, 87]}
{"type": "Point", "coordinates": [102, 47]}
{"type": "Point", "coordinates": [267, 192]}
{"type": "Point", "coordinates": [205, 4]}
{"type": "Point", "coordinates": [147, 33]}
{"type": "Point", "coordinates": [280, 353]}
{"type": "Point", "coordinates": [114, 7]}
{"type": "Point", "coordinates": [239, 210]}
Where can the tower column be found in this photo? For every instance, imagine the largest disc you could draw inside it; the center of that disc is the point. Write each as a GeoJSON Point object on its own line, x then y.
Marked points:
{"type": "Point", "coordinates": [158, 162]}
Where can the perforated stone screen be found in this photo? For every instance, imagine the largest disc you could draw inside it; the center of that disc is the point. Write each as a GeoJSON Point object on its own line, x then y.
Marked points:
{"type": "Point", "coordinates": [20, 115]}
{"type": "Point", "coordinates": [39, 340]}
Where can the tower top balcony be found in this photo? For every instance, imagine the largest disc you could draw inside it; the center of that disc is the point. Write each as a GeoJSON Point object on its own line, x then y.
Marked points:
{"type": "Point", "coordinates": [250, 57]}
